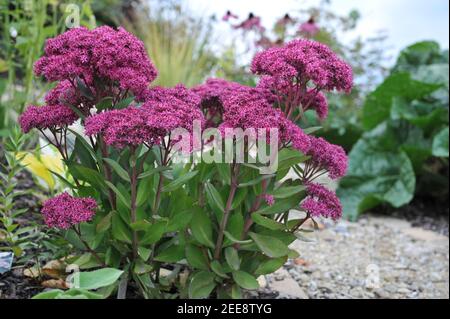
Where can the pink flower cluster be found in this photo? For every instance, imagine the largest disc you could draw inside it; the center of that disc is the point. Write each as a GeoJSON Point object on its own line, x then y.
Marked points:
{"type": "Point", "coordinates": [64, 210]}
{"type": "Point", "coordinates": [322, 202]}
{"type": "Point", "coordinates": [46, 117]}
{"type": "Point", "coordinates": [218, 94]}
{"type": "Point", "coordinates": [175, 95]}
{"type": "Point", "coordinates": [166, 109]}
{"type": "Point", "coordinates": [125, 127]}
{"type": "Point", "coordinates": [326, 156]}
{"type": "Point", "coordinates": [269, 199]}
{"type": "Point", "coordinates": [114, 56]}
{"type": "Point", "coordinates": [305, 60]}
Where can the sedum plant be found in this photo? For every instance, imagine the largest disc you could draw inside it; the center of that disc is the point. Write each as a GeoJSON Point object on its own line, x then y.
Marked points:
{"type": "Point", "coordinates": [147, 199]}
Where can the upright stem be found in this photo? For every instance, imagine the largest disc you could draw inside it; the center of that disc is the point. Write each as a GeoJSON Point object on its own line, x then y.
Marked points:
{"type": "Point", "coordinates": [255, 207]}
{"type": "Point", "coordinates": [226, 213]}
{"type": "Point", "coordinates": [164, 160]}
{"type": "Point", "coordinates": [108, 173]}
{"type": "Point", "coordinates": [133, 178]}
{"type": "Point", "coordinates": [85, 244]}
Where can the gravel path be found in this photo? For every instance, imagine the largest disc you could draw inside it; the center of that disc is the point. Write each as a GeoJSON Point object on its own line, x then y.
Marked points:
{"type": "Point", "coordinates": [377, 257]}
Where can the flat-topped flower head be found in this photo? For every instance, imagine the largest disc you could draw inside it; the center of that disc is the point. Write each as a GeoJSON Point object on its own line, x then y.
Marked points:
{"type": "Point", "coordinates": [216, 94]}
{"type": "Point", "coordinates": [114, 56]}
{"type": "Point", "coordinates": [329, 157]}
{"type": "Point", "coordinates": [321, 202]}
{"type": "Point", "coordinates": [249, 109]}
{"type": "Point", "coordinates": [172, 95]}
{"type": "Point", "coordinates": [125, 127]}
{"type": "Point", "coordinates": [46, 117]}
{"type": "Point", "coordinates": [64, 211]}
{"type": "Point", "coordinates": [305, 60]}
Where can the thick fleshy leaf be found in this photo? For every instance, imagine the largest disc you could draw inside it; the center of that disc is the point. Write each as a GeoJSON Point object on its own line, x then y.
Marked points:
{"type": "Point", "coordinates": [270, 265]}
{"type": "Point", "coordinates": [201, 228]}
{"type": "Point", "coordinates": [201, 285]}
{"type": "Point", "coordinates": [97, 278]}
{"type": "Point", "coordinates": [232, 258]}
{"type": "Point", "coordinates": [269, 245]}
{"type": "Point", "coordinates": [171, 255]}
{"type": "Point", "coordinates": [196, 257]}
{"type": "Point", "coordinates": [183, 179]}
{"type": "Point", "coordinates": [245, 280]}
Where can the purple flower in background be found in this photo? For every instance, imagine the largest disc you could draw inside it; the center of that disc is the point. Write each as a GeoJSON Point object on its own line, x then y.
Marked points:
{"type": "Point", "coordinates": [229, 15]}
{"type": "Point", "coordinates": [321, 202]}
{"type": "Point", "coordinates": [64, 210]}
{"type": "Point", "coordinates": [309, 29]}
{"type": "Point", "coordinates": [46, 117]}
{"type": "Point", "coordinates": [284, 21]}
{"type": "Point", "coordinates": [251, 23]}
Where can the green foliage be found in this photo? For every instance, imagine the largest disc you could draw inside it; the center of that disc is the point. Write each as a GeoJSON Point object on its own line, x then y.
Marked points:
{"type": "Point", "coordinates": [24, 28]}
{"type": "Point", "coordinates": [14, 236]}
{"type": "Point", "coordinates": [82, 282]}
{"type": "Point", "coordinates": [406, 126]}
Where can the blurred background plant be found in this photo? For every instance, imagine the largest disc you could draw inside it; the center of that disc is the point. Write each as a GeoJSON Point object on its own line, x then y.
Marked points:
{"type": "Point", "coordinates": [15, 236]}
{"type": "Point", "coordinates": [178, 41]}
{"type": "Point", "coordinates": [404, 149]}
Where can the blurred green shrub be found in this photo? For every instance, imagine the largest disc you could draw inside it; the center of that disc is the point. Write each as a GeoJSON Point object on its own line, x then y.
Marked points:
{"type": "Point", "coordinates": [405, 140]}
{"type": "Point", "coordinates": [177, 40]}
{"type": "Point", "coordinates": [14, 236]}
{"type": "Point", "coordinates": [24, 27]}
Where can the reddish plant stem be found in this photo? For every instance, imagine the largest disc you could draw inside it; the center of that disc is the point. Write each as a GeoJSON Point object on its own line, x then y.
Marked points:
{"type": "Point", "coordinates": [300, 224]}
{"type": "Point", "coordinates": [85, 244]}
{"type": "Point", "coordinates": [133, 179]}
{"type": "Point", "coordinates": [107, 172]}
{"type": "Point", "coordinates": [164, 160]}
{"type": "Point", "coordinates": [249, 222]}
{"type": "Point", "coordinates": [226, 214]}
